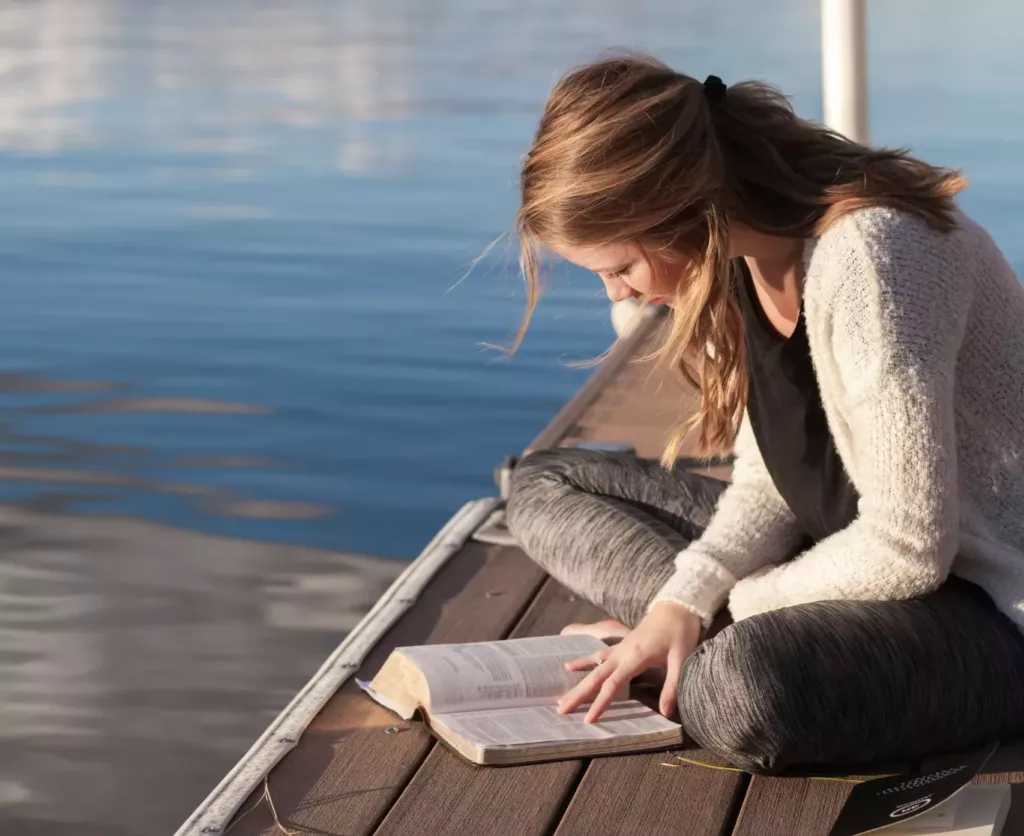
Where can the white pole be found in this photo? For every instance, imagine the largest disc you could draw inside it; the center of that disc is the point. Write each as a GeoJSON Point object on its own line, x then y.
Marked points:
{"type": "Point", "coordinates": [844, 67]}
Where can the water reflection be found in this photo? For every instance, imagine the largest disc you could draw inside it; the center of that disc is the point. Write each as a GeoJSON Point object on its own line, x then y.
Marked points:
{"type": "Point", "coordinates": [113, 633]}
{"type": "Point", "coordinates": [132, 651]}
{"type": "Point", "coordinates": [195, 406]}
{"type": "Point", "coordinates": [344, 65]}
{"type": "Point", "coordinates": [48, 460]}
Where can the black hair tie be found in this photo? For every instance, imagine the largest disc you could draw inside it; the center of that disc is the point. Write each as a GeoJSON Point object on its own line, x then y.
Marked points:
{"type": "Point", "coordinates": [714, 91]}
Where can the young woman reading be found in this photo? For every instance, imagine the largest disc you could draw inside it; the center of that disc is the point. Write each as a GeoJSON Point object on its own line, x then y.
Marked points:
{"type": "Point", "coordinates": [858, 343]}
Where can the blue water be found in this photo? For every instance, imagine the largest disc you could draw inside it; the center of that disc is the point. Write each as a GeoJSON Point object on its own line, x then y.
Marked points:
{"type": "Point", "coordinates": [236, 242]}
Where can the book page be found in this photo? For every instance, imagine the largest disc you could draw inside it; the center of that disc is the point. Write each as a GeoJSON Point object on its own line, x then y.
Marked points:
{"type": "Point", "coordinates": [466, 677]}
{"type": "Point", "coordinates": [543, 724]}
{"type": "Point", "coordinates": [405, 710]}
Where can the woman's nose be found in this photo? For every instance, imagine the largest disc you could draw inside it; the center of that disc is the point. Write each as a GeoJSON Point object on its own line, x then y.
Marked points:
{"type": "Point", "coordinates": [617, 291]}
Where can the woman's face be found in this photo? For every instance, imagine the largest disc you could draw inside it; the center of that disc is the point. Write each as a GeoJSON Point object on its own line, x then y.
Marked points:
{"type": "Point", "coordinates": [624, 271]}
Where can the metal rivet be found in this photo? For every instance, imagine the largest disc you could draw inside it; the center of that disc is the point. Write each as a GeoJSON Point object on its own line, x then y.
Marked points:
{"type": "Point", "coordinates": [286, 739]}
{"type": "Point", "coordinates": [391, 730]}
{"type": "Point", "coordinates": [210, 830]}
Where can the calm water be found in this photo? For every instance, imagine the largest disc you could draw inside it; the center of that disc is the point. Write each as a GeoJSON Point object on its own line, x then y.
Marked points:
{"type": "Point", "coordinates": [238, 342]}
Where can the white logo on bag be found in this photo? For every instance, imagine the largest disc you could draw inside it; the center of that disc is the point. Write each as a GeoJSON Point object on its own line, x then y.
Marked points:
{"type": "Point", "coordinates": [910, 807]}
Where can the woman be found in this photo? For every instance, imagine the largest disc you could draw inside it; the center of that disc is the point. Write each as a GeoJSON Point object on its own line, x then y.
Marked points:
{"type": "Point", "coordinates": [857, 342]}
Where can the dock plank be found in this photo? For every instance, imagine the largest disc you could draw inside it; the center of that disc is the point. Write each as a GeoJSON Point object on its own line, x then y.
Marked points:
{"type": "Point", "coordinates": [451, 796]}
{"type": "Point", "coordinates": [448, 795]}
{"type": "Point", "coordinates": [346, 772]}
{"type": "Point", "coordinates": [638, 794]}
{"type": "Point", "coordinates": [784, 806]}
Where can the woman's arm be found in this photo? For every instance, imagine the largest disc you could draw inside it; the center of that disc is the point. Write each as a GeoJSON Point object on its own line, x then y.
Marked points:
{"type": "Point", "coordinates": [751, 528]}
{"type": "Point", "coordinates": [885, 332]}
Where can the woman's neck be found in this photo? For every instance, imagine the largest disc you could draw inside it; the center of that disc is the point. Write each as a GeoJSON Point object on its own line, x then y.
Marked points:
{"type": "Point", "coordinates": [777, 268]}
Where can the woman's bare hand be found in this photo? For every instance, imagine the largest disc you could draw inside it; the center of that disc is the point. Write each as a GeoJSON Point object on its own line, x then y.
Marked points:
{"type": "Point", "coordinates": [666, 636]}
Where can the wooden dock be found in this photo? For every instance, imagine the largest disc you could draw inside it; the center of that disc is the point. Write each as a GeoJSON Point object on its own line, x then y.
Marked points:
{"type": "Point", "coordinates": [359, 770]}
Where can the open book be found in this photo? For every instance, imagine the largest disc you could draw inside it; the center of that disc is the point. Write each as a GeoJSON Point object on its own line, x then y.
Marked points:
{"type": "Point", "coordinates": [494, 702]}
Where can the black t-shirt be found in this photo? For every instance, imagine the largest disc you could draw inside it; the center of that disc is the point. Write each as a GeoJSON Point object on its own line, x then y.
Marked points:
{"type": "Point", "coordinates": [784, 404]}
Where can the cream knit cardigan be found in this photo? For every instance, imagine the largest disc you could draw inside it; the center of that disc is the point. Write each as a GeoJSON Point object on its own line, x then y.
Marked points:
{"type": "Point", "coordinates": [917, 341]}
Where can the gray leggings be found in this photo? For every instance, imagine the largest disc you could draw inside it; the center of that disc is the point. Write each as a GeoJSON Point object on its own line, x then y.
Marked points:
{"type": "Point", "coordinates": [859, 684]}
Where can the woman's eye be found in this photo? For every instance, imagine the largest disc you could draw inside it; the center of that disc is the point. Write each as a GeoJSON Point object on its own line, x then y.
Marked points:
{"type": "Point", "coordinates": [620, 273]}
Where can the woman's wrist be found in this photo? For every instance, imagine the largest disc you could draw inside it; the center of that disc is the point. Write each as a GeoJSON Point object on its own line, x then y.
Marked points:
{"type": "Point", "coordinates": [678, 610]}
{"type": "Point", "coordinates": [676, 606]}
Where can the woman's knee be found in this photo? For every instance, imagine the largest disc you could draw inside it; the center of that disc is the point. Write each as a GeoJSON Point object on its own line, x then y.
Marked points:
{"type": "Point", "coordinates": [543, 481]}
{"type": "Point", "coordinates": [852, 682]}
{"type": "Point", "coordinates": [722, 701]}
{"type": "Point", "coordinates": [534, 482]}
{"type": "Point", "coordinates": [757, 693]}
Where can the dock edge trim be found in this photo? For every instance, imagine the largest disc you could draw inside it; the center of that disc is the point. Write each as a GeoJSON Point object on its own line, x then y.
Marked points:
{"type": "Point", "coordinates": [214, 814]}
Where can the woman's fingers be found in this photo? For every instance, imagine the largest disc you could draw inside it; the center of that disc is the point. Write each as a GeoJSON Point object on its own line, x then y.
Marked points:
{"type": "Point", "coordinates": [605, 680]}
{"type": "Point", "coordinates": [606, 695]}
{"type": "Point", "coordinates": [667, 703]}
{"type": "Point", "coordinates": [589, 661]}
{"type": "Point", "coordinates": [576, 696]}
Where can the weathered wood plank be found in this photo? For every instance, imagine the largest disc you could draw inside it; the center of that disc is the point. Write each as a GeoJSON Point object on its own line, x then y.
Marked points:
{"type": "Point", "coordinates": [637, 794]}
{"type": "Point", "coordinates": [784, 806]}
{"type": "Point", "coordinates": [453, 797]}
{"type": "Point", "coordinates": [346, 771]}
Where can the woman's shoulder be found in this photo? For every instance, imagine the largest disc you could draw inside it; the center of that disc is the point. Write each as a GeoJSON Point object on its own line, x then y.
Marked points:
{"type": "Point", "coordinates": [881, 231]}
{"type": "Point", "coordinates": [885, 232]}
{"type": "Point", "coordinates": [880, 248]}
{"type": "Point", "coordinates": [878, 263]}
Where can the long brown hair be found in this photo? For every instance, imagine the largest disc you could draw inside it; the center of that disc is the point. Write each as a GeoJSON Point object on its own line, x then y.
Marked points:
{"type": "Point", "coordinates": [630, 150]}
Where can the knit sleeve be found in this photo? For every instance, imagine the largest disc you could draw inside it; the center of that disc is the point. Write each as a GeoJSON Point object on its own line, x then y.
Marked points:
{"type": "Point", "coordinates": [752, 526]}
{"type": "Point", "coordinates": [886, 318]}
